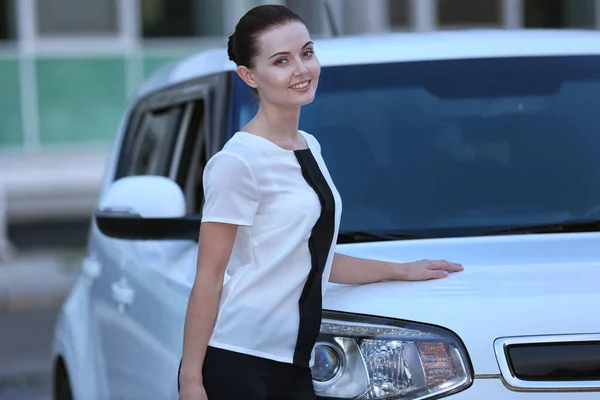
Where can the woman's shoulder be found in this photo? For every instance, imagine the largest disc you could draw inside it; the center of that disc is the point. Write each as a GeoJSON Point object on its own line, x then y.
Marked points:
{"type": "Point", "coordinates": [311, 139]}
{"type": "Point", "coordinates": [239, 148]}
{"type": "Point", "coordinates": [234, 153]}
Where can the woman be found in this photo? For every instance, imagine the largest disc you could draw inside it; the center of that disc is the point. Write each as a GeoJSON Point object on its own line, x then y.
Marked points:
{"type": "Point", "coordinates": [270, 218]}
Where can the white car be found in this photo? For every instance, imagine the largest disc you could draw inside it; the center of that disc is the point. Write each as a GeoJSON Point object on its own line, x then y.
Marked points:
{"type": "Point", "coordinates": [479, 147]}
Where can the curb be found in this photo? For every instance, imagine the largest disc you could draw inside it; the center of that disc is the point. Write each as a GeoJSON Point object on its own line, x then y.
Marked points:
{"type": "Point", "coordinates": [36, 282]}
{"type": "Point", "coordinates": [23, 301]}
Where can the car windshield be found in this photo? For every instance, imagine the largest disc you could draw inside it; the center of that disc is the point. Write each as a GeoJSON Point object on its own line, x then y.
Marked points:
{"type": "Point", "coordinates": [452, 147]}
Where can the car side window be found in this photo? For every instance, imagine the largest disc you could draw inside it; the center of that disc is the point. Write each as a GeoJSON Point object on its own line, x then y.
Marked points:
{"type": "Point", "coordinates": [151, 149]}
{"type": "Point", "coordinates": [191, 154]}
{"type": "Point", "coordinates": [175, 140]}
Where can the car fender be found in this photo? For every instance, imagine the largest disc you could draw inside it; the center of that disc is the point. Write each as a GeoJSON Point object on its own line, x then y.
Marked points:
{"type": "Point", "coordinates": [76, 340]}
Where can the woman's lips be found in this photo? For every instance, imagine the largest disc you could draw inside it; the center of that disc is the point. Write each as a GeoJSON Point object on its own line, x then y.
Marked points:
{"type": "Point", "coordinates": [301, 86]}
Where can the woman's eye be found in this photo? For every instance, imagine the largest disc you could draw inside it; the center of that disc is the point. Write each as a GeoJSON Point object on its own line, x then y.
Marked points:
{"type": "Point", "coordinates": [309, 53]}
{"type": "Point", "coordinates": [281, 61]}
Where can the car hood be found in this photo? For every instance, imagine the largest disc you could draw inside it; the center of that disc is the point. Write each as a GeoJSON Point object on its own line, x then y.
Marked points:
{"type": "Point", "coordinates": [511, 286]}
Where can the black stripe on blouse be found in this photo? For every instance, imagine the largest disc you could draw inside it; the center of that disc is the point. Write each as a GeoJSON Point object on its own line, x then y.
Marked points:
{"type": "Point", "coordinates": [320, 242]}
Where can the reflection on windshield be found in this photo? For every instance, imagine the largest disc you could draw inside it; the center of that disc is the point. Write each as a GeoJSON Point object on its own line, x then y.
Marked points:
{"type": "Point", "coordinates": [461, 144]}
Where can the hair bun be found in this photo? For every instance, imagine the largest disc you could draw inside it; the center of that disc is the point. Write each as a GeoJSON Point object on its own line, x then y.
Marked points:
{"type": "Point", "coordinates": [243, 44]}
{"type": "Point", "coordinates": [231, 48]}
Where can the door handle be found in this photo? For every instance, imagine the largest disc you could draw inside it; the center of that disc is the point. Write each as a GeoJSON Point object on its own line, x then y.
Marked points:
{"type": "Point", "coordinates": [122, 293]}
{"type": "Point", "coordinates": [91, 267]}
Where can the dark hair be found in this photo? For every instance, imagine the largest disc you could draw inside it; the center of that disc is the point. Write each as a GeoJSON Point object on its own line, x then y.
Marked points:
{"type": "Point", "coordinates": [242, 46]}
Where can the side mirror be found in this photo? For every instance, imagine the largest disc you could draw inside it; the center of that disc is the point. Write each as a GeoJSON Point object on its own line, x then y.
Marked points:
{"type": "Point", "coordinates": [146, 207]}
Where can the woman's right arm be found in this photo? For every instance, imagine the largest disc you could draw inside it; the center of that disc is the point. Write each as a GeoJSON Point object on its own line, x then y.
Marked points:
{"type": "Point", "coordinates": [231, 199]}
{"type": "Point", "coordinates": [214, 249]}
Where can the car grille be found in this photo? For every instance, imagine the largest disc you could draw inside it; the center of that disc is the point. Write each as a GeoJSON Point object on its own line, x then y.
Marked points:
{"type": "Point", "coordinates": [546, 363]}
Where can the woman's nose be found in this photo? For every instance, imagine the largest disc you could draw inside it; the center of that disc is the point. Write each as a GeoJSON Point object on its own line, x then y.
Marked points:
{"type": "Point", "coordinates": [301, 68]}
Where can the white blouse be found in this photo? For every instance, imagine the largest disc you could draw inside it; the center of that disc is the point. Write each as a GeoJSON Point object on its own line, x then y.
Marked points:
{"type": "Point", "coordinates": [288, 211]}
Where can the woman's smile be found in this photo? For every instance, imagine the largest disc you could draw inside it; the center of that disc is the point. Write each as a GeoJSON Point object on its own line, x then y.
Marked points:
{"type": "Point", "coordinates": [303, 86]}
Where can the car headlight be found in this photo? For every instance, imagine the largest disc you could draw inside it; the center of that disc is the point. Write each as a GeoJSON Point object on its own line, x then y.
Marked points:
{"type": "Point", "coordinates": [375, 358]}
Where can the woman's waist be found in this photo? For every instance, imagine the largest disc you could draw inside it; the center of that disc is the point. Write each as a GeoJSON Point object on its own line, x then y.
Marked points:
{"type": "Point", "coordinates": [259, 263]}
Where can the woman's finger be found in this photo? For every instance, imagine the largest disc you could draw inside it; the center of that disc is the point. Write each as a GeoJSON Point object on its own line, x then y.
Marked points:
{"type": "Point", "coordinates": [445, 265]}
{"type": "Point", "coordinates": [436, 274]}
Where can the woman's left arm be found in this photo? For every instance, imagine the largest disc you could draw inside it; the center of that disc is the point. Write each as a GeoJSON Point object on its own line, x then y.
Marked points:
{"type": "Point", "coordinates": [352, 270]}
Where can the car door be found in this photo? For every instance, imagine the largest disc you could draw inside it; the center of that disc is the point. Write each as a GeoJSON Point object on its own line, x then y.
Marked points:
{"type": "Point", "coordinates": [154, 277]}
{"type": "Point", "coordinates": [116, 301]}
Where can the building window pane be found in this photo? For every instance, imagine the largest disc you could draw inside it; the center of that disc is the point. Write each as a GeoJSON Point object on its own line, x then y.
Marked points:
{"type": "Point", "coordinates": [559, 13]}
{"type": "Point", "coordinates": [459, 13]}
{"type": "Point", "coordinates": [11, 129]}
{"type": "Point", "coordinates": [75, 17]}
{"type": "Point", "coordinates": [399, 14]}
{"type": "Point", "coordinates": [181, 18]}
{"type": "Point", "coordinates": [80, 99]}
{"type": "Point", "coordinates": [7, 20]}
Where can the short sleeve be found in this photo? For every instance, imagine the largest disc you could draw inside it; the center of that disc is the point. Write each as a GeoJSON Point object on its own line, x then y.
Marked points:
{"type": "Point", "coordinates": [230, 192]}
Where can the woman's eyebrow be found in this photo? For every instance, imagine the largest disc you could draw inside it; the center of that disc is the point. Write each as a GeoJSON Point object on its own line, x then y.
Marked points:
{"type": "Point", "coordinates": [287, 52]}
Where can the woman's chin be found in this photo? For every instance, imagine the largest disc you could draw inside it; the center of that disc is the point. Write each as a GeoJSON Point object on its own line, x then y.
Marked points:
{"type": "Point", "coordinates": [297, 100]}
{"type": "Point", "coordinates": [308, 101]}
{"type": "Point", "coordinates": [306, 98]}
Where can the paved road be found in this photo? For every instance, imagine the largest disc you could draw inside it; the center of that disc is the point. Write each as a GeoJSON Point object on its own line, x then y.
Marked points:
{"type": "Point", "coordinates": [32, 288]}
{"type": "Point", "coordinates": [25, 341]}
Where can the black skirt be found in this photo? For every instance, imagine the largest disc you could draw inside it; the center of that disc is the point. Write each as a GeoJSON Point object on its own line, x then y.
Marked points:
{"type": "Point", "coordinates": [229, 375]}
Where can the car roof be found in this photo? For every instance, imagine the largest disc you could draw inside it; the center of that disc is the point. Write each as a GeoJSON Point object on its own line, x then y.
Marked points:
{"type": "Point", "coordinates": [399, 47]}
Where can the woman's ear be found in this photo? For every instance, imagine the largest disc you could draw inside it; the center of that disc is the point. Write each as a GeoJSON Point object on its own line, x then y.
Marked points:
{"type": "Point", "coordinates": [247, 76]}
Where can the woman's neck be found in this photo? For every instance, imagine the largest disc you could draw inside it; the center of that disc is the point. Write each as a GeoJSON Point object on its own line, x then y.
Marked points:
{"type": "Point", "coordinates": [277, 123]}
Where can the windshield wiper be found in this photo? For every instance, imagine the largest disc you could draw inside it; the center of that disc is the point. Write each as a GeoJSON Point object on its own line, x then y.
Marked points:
{"type": "Point", "coordinates": [374, 236]}
{"type": "Point", "coordinates": [575, 225]}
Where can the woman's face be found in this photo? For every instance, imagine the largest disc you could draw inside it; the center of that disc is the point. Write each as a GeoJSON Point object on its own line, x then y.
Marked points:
{"type": "Point", "coordinates": [286, 70]}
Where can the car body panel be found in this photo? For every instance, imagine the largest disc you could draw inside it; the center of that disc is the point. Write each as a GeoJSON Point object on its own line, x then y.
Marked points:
{"type": "Point", "coordinates": [76, 341]}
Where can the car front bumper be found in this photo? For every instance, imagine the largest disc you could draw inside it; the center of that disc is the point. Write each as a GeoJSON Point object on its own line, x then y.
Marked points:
{"type": "Point", "coordinates": [494, 389]}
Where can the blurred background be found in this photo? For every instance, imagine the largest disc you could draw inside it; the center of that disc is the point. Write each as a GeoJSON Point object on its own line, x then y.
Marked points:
{"type": "Point", "coordinates": [67, 70]}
